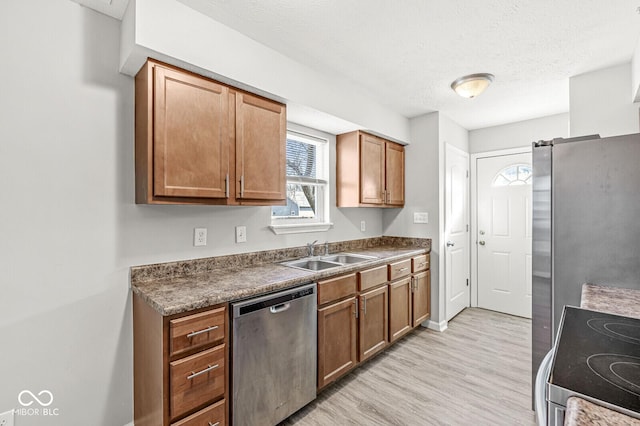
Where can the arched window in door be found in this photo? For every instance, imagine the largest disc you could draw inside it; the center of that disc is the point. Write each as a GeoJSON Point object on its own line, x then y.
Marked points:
{"type": "Point", "coordinates": [517, 174]}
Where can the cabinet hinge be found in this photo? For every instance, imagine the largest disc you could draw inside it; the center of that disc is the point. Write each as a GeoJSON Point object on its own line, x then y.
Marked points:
{"type": "Point", "coordinates": [467, 282]}
{"type": "Point", "coordinates": [467, 227]}
{"type": "Point", "coordinates": [467, 173]}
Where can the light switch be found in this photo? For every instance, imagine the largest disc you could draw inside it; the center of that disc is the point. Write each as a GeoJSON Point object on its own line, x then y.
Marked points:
{"type": "Point", "coordinates": [420, 217]}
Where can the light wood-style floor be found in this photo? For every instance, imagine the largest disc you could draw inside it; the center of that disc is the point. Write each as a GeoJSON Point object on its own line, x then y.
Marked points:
{"type": "Point", "coordinates": [478, 372]}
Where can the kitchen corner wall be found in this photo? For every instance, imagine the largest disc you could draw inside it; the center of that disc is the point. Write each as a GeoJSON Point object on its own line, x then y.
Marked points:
{"type": "Point", "coordinates": [424, 192]}
{"type": "Point", "coordinates": [601, 102]}
{"type": "Point", "coordinates": [519, 134]}
{"type": "Point", "coordinates": [68, 223]}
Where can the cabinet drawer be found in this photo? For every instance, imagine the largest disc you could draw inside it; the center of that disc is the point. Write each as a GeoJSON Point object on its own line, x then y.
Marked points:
{"type": "Point", "coordinates": [372, 277]}
{"type": "Point", "coordinates": [336, 288]}
{"type": "Point", "coordinates": [213, 415]}
{"type": "Point", "coordinates": [197, 379]}
{"type": "Point", "coordinates": [196, 330]}
{"type": "Point", "coordinates": [420, 263]}
{"type": "Point", "coordinates": [399, 269]}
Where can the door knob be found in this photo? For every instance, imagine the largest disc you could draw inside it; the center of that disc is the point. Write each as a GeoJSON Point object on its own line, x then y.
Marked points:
{"type": "Point", "coordinates": [450, 244]}
{"type": "Point", "coordinates": [481, 243]}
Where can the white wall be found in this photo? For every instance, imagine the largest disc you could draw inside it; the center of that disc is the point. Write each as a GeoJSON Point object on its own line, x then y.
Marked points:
{"type": "Point", "coordinates": [70, 229]}
{"type": "Point", "coordinates": [173, 32]}
{"type": "Point", "coordinates": [519, 134]}
{"type": "Point", "coordinates": [635, 73]}
{"type": "Point", "coordinates": [601, 102]}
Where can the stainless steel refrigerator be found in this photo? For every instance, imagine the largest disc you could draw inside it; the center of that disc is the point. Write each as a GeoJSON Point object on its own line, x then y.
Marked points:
{"type": "Point", "coordinates": [586, 225]}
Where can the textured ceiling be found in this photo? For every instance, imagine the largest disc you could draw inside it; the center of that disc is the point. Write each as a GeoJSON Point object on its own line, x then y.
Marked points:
{"type": "Point", "coordinates": [406, 53]}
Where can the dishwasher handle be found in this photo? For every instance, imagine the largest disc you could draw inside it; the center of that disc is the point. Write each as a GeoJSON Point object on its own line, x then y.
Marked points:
{"type": "Point", "coordinates": [279, 308]}
{"type": "Point", "coordinates": [276, 302]}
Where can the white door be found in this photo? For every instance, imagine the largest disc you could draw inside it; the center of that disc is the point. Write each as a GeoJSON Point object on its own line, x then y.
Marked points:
{"type": "Point", "coordinates": [504, 233]}
{"type": "Point", "coordinates": [456, 231]}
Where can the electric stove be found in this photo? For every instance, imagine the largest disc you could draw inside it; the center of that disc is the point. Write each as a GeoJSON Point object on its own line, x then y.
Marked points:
{"type": "Point", "coordinates": [596, 357]}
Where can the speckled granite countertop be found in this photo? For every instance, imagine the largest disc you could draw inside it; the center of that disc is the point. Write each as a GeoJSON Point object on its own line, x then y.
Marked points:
{"type": "Point", "coordinates": [618, 301]}
{"type": "Point", "coordinates": [177, 287]}
{"type": "Point", "coordinates": [582, 413]}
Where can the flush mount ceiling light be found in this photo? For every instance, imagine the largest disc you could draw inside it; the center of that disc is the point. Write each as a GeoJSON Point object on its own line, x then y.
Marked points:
{"type": "Point", "coordinates": [472, 85]}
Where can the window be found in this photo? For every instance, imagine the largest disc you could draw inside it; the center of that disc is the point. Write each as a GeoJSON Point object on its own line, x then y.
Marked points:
{"type": "Point", "coordinates": [518, 174]}
{"type": "Point", "coordinates": [307, 208]}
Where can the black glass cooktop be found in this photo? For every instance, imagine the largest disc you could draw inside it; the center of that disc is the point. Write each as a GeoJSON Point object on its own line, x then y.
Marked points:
{"type": "Point", "coordinates": [598, 355]}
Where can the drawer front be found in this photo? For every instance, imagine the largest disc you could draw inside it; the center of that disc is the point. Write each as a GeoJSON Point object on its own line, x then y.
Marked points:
{"type": "Point", "coordinates": [197, 379]}
{"type": "Point", "coordinates": [420, 263]}
{"type": "Point", "coordinates": [213, 415]}
{"type": "Point", "coordinates": [196, 330]}
{"type": "Point", "coordinates": [336, 288]}
{"type": "Point", "coordinates": [399, 269]}
{"type": "Point", "coordinates": [372, 277]}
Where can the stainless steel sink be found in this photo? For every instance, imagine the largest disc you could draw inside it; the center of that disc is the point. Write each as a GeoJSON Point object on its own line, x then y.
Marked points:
{"type": "Point", "coordinates": [347, 258]}
{"type": "Point", "coordinates": [312, 265]}
{"type": "Point", "coordinates": [327, 262]}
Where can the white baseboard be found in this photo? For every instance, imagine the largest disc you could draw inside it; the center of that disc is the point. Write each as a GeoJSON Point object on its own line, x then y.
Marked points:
{"type": "Point", "coordinates": [436, 326]}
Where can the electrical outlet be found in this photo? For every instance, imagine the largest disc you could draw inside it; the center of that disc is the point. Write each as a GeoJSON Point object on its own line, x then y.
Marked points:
{"type": "Point", "coordinates": [363, 226]}
{"type": "Point", "coordinates": [199, 237]}
{"type": "Point", "coordinates": [6, 418]}
{"type": "Point", "coordinates": [241, 234]}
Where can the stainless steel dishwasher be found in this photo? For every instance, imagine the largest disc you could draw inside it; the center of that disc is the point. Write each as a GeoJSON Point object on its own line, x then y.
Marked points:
{"type": "Point", "coordinates": [274, 356]}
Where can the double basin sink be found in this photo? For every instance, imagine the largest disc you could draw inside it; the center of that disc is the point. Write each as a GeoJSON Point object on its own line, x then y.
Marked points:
{"type": "Point", "coordinates": [320, 263]}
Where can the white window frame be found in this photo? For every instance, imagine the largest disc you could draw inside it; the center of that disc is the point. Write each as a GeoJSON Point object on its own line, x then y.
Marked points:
{"type": "Point", "coordinates": [320, 223]}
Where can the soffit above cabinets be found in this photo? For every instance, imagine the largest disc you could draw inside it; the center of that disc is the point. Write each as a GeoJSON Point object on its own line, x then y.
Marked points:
{"type": "Point", "coordinates": [113, 8]}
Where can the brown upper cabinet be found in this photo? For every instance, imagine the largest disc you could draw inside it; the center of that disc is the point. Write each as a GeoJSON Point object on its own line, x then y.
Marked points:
{"type": "Point", "coordinates": [202, 142]}
{"type": "Point", "coordinates": [370, 171]}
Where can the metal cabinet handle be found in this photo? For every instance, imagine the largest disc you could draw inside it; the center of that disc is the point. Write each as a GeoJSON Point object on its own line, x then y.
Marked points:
{"type": "Point", "coordinates": [450, 244]}
{"type": "Point", "coordinates": [214, 424]}
{"type": "Point", "coordinates": [206, 370]}
{"type": "Point", "coordinates": [242, 186]}
{"type": "Point", "coordinates": [226, 186]}
{"type": "Point", "coordinates": [364, 304]}
{"type": "Point", "coordinates": [206, 330]}
{"type": "Point", "coordinates": [413, 283]}
{"type": "Point", "coordinates": [356, 311]}
{"type": "Point", "coordinates": [481, 243]}
{"type": "Point", "coordinates": [402, 269]}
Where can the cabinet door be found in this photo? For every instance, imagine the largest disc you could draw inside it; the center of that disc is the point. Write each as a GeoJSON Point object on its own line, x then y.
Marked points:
{"type": "Point", "coordinates": [394, 174]}
{"type": "Point", "coordinates": [336, 340]}
{"type": "Point", "coordinates": [191, 136]}
{"type": "Point", "coordinates": [371, 169]}
{"type": "Point", "coordinates": [400, 319]}
{"type": "Point", "coordinates": [261, 131]}
{"type": "Point", "coordinates": [373, 325]}
{"type": "Point", "coordinates": [421, 297]}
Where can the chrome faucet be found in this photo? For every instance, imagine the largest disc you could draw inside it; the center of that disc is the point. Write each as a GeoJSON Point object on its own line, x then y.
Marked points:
{"type": "Point", "coordinates": [310, 248]}
{"type": "Point", "coordinates": [326, 248]}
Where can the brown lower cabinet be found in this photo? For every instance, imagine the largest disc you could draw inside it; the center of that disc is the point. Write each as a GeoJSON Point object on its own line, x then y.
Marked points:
{"type": "Point", "coordinates": [337, 340]}
{"type": "Point", "coordinates": [360, 314]}
{"type": "Point", "coordinates": [337, 328]}
{"type": "Point", "coordinates": [421, 301]}
{"type": "Point", "coordinates": [180, 366]}
{"type": "Point", "coordinates": [400, 308]}
{"type": "Point", "coordinates": [372, 322]}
